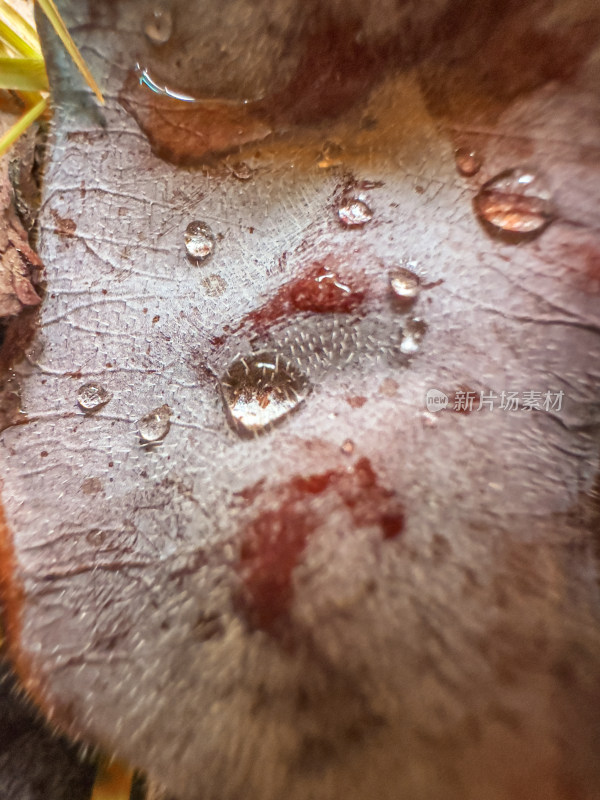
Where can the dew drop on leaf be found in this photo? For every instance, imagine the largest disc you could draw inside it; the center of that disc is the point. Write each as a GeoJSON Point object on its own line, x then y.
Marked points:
{"type": "Point", "coordinates": [468, 162]}
{"type": "Point", "coordinates": [413, 333]}
{"type": "Point", "coordinates": [404, 284]}
{"type": "Point", "coordinates": [155, 425]}
{"type": "Point", "coordinates": [199, 241]}
{"type": "Point", "coordinates": [347, 447]}
{"type": "Point", "coordinates": [517, 201]}
{"type": "Point", "coordinates": [331, 155]}
{"type": "Point", "coordinates": [241, 171]}
{"type": "Point", "coordinates": [354, 213]}
{"type": "Point", "coordinates": [260, 389]}
{"type": "Point", "coordinates": [158, 25]}
{"type": "Point", "coordinates": [92, 396]}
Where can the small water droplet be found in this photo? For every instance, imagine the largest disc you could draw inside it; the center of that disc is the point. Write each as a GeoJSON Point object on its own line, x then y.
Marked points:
{"type": "Point", "coordinates": [412, 335]}
{"type": "Point", "coordinates": [404, 284]}
{"type": "Point", "coordinates": [517, 200]}
{"type": "Point", "coordinates": [241, 171]}
{"type": "Point", "coordinates": [155, 425]}
{"type": "Point", "coordinates": [261, 389]}
{"type": "Point", "coordinates": [331, 155]}
{"type": "Point", "coordinates": [199, 241]}
{"type": "Point", "coordinates": [348, 447]}
{"type": "Point", "coordinates": [158, 25]}
{"type": "Point", "coordinates": [354, 213]}
{"type": "Point", "coordinates": [91, 396]}
{"type": "Point", "coordinates": [468, 162]}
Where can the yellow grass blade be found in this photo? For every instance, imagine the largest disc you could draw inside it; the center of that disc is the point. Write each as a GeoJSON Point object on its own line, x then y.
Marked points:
{"type": "Point", "coordinates": [51, 12]}
{"type": "Point", "coordinates": [11, 136]}
{"type": "Point", "coordinates": [23, 74]}
{"type": "Point", "coordinates": [14, 41]}
{"type": "Point", "coordinates": [18, 33]}
{"type": "Point", "coordinates": [112, 783]}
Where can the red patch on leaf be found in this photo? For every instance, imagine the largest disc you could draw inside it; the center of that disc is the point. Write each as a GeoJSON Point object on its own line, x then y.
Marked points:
{"type": "Point", "coordinates": [274, 542]}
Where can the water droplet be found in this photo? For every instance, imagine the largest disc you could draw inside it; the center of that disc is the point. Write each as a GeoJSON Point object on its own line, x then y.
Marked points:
{"type": "Point", "coordinates": [158, 25]}
{"type": "Point", "coordinates": [261, 389]}
{"type": "Point", "coordinates": [468, 162]}
{"type": "Point", "coordinates": [404, 284]}
{"type": "Point", "coordinates": [199, 241]}
{"type": "Point", "coordinates": [155, 425]}
{"type": "Point", "coordinates": [354, 213]}
{"type": "Point", "coordinates": [91, 396]}
{"type": "Point", "coordinates": [348, 447]}
{"type": "Point", "coordinates": [517, 200]}
{"type": "Point", "coordinates": [241, 171]}
{"type": "Point", "coordinates": [413, 333]}
{"type": "Point", "coordinates": [331, 155]}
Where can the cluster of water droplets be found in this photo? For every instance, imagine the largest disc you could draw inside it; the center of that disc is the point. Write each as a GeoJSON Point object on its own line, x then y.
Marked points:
{"type": "Point", "coordinates": [152, 427]}
{"type": "Point", "coordinates": [516, 201]}
{"type": "Point", "coordinates": [262, 388]}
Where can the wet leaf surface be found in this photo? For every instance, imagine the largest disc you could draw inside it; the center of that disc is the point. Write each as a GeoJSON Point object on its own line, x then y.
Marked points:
{"type": "Point", "coordinates": [287, 614]}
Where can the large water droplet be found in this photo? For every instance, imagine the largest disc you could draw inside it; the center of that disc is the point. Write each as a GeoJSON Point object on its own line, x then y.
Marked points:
{"type": "Point", "coordinates": [412, 335]}
{"type": "Point", "coordinates": [155, 425]}
{"type": "Point", "coordinates": [92, 396]}
{"type": "Point", "coordinates": [468, 162]}
{"type": "Point", "coordinates": [354, 213]}
{"type": "Point", "coordinates": [199, 241]}
{"type": "Point", "coordinates": [404, 284]}
{"type": "Point", "coordinates": [261, 389]}
{"type": "Point", "coordinates": [158, 25]}
{"type": "Point", "coordinates": [517, 200]}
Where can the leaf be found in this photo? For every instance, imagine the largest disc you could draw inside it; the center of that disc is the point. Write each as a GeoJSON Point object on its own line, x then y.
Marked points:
{"type": "Point", "coordinates": [366, 599]}
{"type": "Point", "coordinates": [19, 127]}
{"type": "Point", "coordinates": [50, 10]}
{"type": "Point", "coordinates": [17, 32]}
{"type": "Point", "coordinates": [23, 74]}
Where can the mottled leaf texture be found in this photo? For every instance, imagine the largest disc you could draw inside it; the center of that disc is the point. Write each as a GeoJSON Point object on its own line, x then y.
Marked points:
{"type": "Point", "coordinates": [307, 584]}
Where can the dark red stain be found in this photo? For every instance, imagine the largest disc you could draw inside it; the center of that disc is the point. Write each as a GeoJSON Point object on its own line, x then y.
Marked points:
{"type": "Point", "coordinates": [357, 401]}
{"type": "Point", "coordinates": [274, 542]}
{"type": "Point", "coordinates": [65, 226]}
{"type": "Point", "coordinates": [322, 288]}
{"type": "Point", "coordinates": [581, 256]}
{"type": "Point", "coordinates": [337, 68]}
